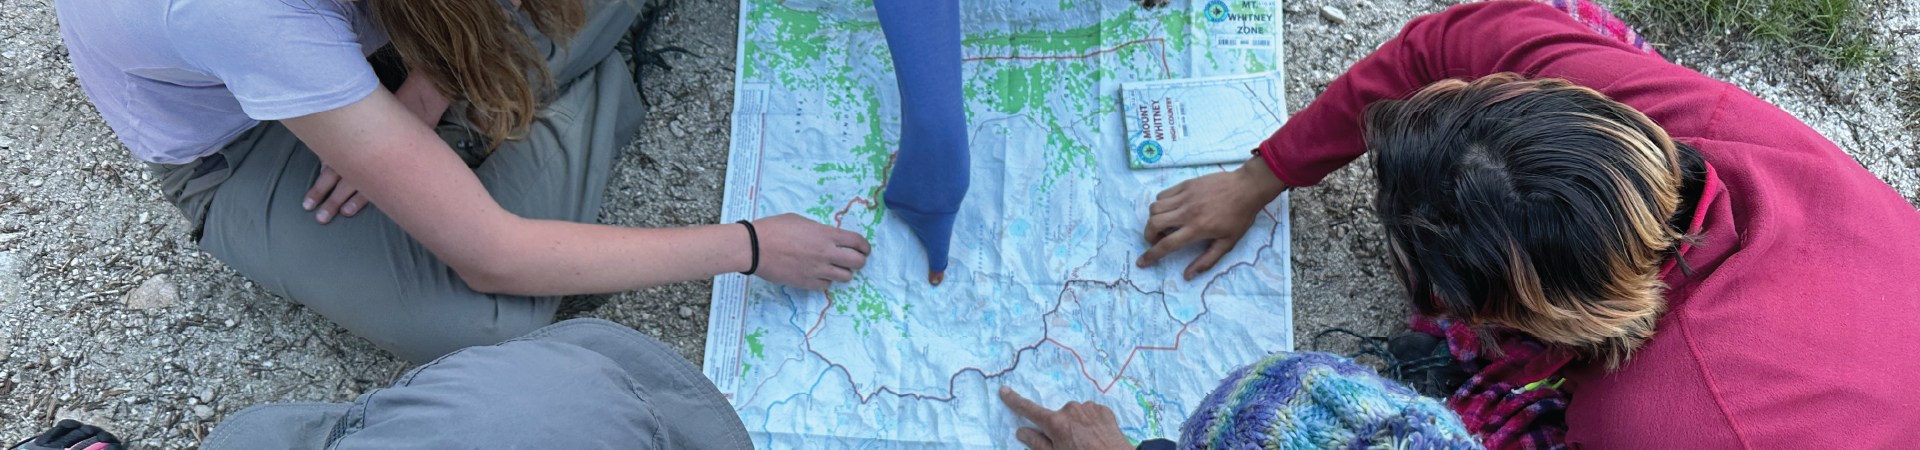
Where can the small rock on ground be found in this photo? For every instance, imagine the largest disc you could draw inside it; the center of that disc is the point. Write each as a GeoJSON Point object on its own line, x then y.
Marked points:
{"type": "Point", "coordinates": [1333, 14]}
{"type": "Point", "coordinates": [155, 293]}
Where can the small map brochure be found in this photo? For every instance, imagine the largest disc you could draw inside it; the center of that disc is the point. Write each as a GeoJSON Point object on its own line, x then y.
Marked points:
{"type": "Point", "coordinates": [1200, 121]}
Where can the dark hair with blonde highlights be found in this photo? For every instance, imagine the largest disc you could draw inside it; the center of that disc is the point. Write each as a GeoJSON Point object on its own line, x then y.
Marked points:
{"type": "Point", "coordinates": [474, 50]}
{"type": "Point", "coordinates": [1532, 204]}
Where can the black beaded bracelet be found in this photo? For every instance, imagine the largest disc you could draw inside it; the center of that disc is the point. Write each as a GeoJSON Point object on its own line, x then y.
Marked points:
{"type": "Point", "coordinates": [754, 239]}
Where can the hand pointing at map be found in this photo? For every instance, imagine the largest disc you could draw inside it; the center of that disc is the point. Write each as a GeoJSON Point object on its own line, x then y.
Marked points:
{"type": "Point", "coordinates": [1076, 426]}
{"type": "Point", "coordinates": [929, 177]}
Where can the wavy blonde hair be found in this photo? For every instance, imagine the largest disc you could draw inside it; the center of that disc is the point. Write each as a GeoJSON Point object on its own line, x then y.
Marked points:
{"type": "Point", "coordinates": [474, 50]}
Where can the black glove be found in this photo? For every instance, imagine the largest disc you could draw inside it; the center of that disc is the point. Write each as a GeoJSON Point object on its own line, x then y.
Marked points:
{"type": "Point", "coordinates": [69, 434]}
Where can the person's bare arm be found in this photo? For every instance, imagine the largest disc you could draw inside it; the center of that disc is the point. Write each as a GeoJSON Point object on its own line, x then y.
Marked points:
{"type": "Point", "coordinates": [429, 192]}
{"type": "Point", "coordinates": [335, 196]}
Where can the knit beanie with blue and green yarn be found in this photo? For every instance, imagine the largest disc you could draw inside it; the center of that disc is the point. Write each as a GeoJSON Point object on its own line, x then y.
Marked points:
{"type": "Point", "coordinates": [1316, 400]}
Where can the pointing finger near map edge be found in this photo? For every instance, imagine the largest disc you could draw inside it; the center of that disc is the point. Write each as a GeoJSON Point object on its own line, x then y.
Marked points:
{"type": "Point", "coordinates": [1025, 408]}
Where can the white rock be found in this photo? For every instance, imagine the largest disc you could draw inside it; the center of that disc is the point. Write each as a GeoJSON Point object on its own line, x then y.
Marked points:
{"type": "Point", "coordinates": [1333, 14]}
{"type": "Point", "coordinates": [674, 126]}
{"type": "Point", "coordinates": [686, 312]}
{"type": "Point", "coordinates": [203, 411]}
{"type": "Point", "coordinates": [156, 292]}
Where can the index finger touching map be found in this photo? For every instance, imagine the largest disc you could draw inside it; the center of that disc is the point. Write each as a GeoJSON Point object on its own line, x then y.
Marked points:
{"type": "Point", "coordinates": [1041, 293]}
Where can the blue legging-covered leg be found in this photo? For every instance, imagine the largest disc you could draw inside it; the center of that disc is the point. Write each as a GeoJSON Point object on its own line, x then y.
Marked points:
{"type": "Point", "coordinates": [929, 176]}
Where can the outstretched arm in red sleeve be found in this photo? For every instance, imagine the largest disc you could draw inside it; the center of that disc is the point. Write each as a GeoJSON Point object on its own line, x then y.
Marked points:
{"type": "Point", "coordinates": [1466, 41]}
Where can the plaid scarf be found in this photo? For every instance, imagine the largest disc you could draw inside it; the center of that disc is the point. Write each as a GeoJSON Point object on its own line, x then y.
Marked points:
{"type": "Point", "coordinates": [1601, 21]}
{"type": "Point", "coordinates": [1514, 401]}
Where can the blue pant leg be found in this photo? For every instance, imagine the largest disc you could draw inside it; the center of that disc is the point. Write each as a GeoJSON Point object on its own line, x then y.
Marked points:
{"type": "Point", "coordinates": [929, 177]}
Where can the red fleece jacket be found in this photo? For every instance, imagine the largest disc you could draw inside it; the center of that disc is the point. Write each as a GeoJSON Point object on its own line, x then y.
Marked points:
{"type": "Point", "coordinates": [1798, 326]}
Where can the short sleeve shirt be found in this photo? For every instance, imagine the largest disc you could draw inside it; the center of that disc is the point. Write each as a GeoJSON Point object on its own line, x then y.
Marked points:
{"type": "Point", "coordinates": [179, 79]}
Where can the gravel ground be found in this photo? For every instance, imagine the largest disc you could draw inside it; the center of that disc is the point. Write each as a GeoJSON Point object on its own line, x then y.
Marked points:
{"type": "Point", "coordinates": [110, 314]}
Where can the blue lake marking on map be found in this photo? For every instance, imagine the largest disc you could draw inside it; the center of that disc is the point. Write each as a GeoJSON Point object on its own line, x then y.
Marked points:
{"type": "Point", "coordinates": [1041, 293]}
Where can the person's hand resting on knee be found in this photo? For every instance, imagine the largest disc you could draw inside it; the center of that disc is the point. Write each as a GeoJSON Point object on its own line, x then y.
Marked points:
{"type": "Point", "coordinates": [332, 194]}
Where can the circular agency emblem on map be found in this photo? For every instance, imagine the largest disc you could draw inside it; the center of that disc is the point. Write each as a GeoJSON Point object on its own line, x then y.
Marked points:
{"type": "Point", "coordinates": [1216, 11]}
{"type": "Point", "coordinates": [1150, 152]}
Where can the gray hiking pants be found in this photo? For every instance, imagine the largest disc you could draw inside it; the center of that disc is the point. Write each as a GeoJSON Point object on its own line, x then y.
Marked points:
{"type": "Point", "coordinates": [367, 274]}
{"type": "Point", "coordinates": [579, 384]}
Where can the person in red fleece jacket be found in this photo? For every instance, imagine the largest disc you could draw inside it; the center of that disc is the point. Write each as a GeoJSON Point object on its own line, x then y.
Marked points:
{"type": "Point", "coordinates": [1725, 276]}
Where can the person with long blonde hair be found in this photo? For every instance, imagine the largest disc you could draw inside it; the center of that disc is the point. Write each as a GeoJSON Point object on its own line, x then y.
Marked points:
{"type": "Point", "coordinates": [487, 160]}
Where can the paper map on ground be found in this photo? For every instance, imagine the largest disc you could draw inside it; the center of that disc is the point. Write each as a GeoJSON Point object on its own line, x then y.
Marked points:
{"type": "Point", "coordinates": [1200, 121]}
{"type": "Point", "coordinates": [1041, 294]}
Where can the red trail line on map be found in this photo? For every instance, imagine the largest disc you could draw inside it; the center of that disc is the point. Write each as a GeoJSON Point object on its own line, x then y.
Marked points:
{"type": "Point", "coordinates": [1131, 354]}
{"type": "Point", "coordinates": [1046, 334]}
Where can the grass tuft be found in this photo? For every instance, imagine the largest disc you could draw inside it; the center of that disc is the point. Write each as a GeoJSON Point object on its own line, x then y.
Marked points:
{"type": "Point", "coordinates": [1833, 29]}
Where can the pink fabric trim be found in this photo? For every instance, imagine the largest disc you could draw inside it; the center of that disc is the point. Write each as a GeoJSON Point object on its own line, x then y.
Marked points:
{"type": "Point", "coordinates": [1602, 22]}
{"type": "Point", "coordinates": [1708, 193]}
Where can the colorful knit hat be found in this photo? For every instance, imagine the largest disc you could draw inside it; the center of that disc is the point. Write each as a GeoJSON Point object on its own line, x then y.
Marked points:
{"type": "Point", "coordinates": [1316, 400]}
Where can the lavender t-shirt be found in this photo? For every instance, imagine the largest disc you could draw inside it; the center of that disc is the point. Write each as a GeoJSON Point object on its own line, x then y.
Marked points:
{"type": "Point", "coordinates": [179, 79]}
